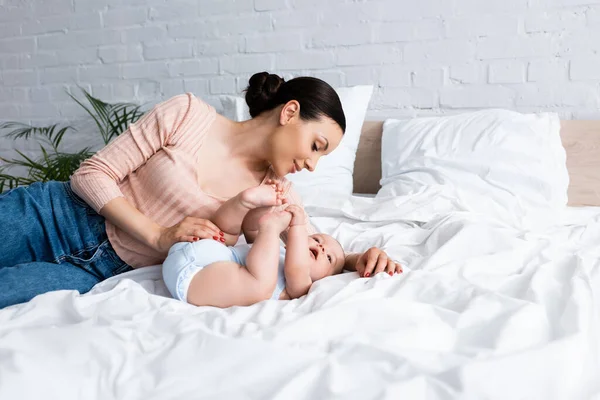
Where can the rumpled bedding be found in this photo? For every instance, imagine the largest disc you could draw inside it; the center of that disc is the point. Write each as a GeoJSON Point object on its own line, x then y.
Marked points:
{"type": "Point", "coordinates": [483, 310]}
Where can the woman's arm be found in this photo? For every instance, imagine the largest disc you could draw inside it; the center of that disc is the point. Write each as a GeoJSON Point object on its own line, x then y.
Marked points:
{"type": "Point", "coordinates": [97, 179]}
{"type": "Point", "coordinates": [128, 218]}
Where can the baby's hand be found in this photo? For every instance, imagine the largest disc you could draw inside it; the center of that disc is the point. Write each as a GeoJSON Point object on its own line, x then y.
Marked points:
{"type": "Point", "coordinates": [276, 220]}
{"type": "Point", "coordinates": [270, 194]}
{"type": "Point", "coordinates": [298, 215]}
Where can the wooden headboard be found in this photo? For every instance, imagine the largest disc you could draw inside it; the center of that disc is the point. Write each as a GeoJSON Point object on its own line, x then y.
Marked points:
{"type": "Point", "coordinates": [581, 140]}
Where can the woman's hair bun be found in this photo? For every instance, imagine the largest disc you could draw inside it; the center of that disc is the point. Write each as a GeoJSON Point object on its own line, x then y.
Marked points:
{"type": "Point", "coordinates": [317, 99]}
{"type": "Point", "coordinates": [262, 92]}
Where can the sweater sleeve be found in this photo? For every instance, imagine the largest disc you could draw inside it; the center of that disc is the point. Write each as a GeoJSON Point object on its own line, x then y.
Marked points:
{"type": "Point", "coordinates": [97, 179]}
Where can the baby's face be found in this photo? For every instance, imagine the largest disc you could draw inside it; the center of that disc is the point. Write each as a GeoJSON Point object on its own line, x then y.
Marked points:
{"type": "Point", "coordinates": [327, 255]}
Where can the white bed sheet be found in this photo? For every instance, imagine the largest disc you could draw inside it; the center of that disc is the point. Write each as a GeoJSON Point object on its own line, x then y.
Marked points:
{"type": "Point", "coordinates": [482, 311]}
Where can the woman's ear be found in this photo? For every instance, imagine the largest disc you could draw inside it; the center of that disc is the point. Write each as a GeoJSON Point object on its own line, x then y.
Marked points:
{"type": "Point", "coordinates": [289, 112]}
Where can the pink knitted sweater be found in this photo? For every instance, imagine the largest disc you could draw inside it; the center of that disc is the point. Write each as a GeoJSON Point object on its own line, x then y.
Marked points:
{"type": "Point", "coordinates": [153, 165]}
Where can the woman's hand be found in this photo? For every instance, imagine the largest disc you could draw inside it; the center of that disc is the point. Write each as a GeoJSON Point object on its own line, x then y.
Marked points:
{"type": "Point", "coordinates": [374, 261]}
{"type": "Point", "coordinates": [190, 229]}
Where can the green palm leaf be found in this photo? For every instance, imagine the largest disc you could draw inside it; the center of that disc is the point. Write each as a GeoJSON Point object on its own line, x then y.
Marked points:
{"type": "Point", "coordinates": [110, 119]}
{"type": "Point", "coordinates": [50, 167]}
{"type": "Point", "coordinates": [50, 134]}
{"type": "Point", "coordinates": [8, 182]}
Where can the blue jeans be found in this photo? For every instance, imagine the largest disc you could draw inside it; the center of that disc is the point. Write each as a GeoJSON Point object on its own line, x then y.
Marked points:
{"type": "Point", "coordinates": [50, 239]}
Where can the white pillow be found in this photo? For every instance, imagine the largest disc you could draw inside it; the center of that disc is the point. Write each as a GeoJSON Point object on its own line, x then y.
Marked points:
{"type": "Point", "coordinates": [333, 175]}
{"type": "Point", "coordinates": [501, 163]}
{"type": "Point", "coordinates": [235, 108]}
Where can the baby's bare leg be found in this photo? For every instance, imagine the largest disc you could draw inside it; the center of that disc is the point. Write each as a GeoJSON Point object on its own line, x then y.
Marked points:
{"type": "Point", "coordinates": [250, 223]}
{"type": "Point", "coordinates": [230, 215]}
{"type": "Point", "coordinates": [226, 284]}
{"type": "Point", "coordinates": [266, 247]}
{"type": "Point", "coordinates": [263, 258]}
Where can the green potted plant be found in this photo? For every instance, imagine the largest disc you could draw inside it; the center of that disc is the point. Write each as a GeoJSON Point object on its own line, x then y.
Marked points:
{"type": "Point", "coordinates": [111, 120]}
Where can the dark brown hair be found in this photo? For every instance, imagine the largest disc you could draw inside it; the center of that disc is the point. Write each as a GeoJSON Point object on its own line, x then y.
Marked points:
{"type": "Point", "coordinates": [316, 97]}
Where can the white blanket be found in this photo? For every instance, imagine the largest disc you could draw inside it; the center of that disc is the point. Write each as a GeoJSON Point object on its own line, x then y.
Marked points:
{"type": "Point", "coordinates": [482, 311]}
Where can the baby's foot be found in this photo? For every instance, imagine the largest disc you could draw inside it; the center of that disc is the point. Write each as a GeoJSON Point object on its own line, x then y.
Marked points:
{"type": "Point", "coordinates": [276, 220]}
{"type": "Point", "coordinates": [262, 196]}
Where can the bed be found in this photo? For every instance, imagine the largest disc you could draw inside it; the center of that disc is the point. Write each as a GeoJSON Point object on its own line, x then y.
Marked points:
{"type": "Point", "coordinates": [483, 311]}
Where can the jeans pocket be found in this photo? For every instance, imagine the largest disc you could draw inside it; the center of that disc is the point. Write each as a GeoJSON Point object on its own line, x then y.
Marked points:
{"type": "Point", "coordinates": [101, 261]}
{"type": "Point", "coordinates": [86, 258]}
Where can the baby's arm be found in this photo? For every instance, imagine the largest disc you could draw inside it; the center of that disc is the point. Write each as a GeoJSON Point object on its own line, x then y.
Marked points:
{"type": "Point", "coordinates": [297, 256]}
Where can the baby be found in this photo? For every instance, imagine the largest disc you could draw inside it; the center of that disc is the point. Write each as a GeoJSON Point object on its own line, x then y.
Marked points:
{"type": "Point", "coordinates": [209, 273]}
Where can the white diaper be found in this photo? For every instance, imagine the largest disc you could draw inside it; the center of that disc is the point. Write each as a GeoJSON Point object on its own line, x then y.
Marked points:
{"type": "Point", "coordinates": [186, 259]}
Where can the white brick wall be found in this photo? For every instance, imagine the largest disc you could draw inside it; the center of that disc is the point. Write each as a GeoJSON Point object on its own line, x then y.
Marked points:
{"type": "Point", "coordinates": [424, 57]}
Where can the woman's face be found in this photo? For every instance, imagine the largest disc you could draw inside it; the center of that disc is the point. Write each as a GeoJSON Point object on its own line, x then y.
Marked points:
{"type": "Point", "coordinates": [298, 144]}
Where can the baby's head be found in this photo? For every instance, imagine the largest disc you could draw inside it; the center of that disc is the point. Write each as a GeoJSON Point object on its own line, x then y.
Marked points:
{"type": "Point", "coordinates": [327, 255]}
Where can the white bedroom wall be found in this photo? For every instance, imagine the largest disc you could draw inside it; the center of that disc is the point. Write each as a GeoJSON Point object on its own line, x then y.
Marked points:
{"type": "Point", "coordinates": [425, 57]}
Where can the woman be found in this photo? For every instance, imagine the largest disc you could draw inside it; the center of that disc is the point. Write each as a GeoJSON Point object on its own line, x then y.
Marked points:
{"type": "Point", "coordinates": [160, 183]}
